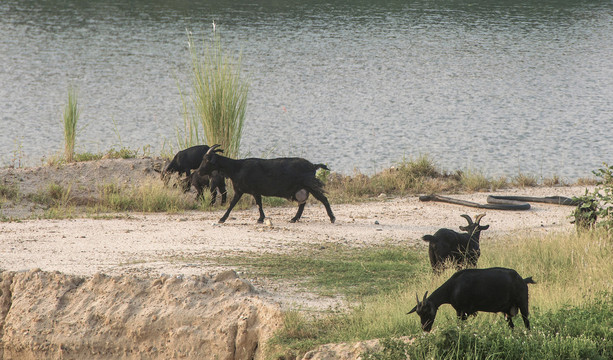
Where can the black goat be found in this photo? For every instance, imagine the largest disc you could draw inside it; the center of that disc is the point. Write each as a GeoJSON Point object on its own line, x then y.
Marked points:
{"type": "Point", "coordinates": [185, 161]}
{"type": "Point", "coordinates": [471, 290]}
{"type": "Point", "coordinates": [290, 178]}
{"type": "Point", "coordinates": [188, 159]}
{"type": "Point", "coordinates": [447, 244]}
{"type": "Point", "coordinates": [215, 182]}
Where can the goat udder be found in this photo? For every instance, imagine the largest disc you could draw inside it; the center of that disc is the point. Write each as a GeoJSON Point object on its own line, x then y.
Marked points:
{"type": "Point", "coordinates": [301, 196]}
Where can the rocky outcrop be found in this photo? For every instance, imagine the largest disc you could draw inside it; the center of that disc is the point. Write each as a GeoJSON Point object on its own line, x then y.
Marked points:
{"type": "Point", "coordinates": [58, 316]}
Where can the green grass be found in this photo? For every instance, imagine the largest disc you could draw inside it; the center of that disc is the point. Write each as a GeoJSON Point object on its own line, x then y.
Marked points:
{"type": "Point", "coordinates": [71, 117]}
{"type": "Point", "coordinates": [570, 304]}
{"type": "Point", "coordinates": [147, 197]}
{"type": "Point", "coordinates": [336, 269]}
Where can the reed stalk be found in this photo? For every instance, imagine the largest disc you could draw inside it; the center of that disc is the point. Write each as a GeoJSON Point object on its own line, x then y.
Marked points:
{"type": "Point", "coordinates": [218, 98]}
{"type": "Point", "coordinates": [71, 117]}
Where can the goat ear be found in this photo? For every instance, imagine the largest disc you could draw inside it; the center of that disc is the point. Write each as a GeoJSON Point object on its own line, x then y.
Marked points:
{"type": "Point", "coordinates": [412, 310]}
{"type": "Point", "coordinates": [484, 227]}
{"type": "Point", "coordinates": [464, 228]}
{"type": "Point", "coordinates": [218, 150]}
{"type": "Point", "coordinates": [425, 296]}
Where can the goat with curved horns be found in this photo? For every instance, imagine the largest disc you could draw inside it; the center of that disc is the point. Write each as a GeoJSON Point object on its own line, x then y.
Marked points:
{"type": "Point", "coordinates": [447, 244]}
{"type": "Point", "coordinates": [290, 178]}
{"type": "Point", "coordinates": [471, 290]}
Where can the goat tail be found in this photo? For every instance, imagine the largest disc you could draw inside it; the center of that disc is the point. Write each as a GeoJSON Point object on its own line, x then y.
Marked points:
{"type": "Point", "coordinates": [529, 280]}
{"type": "Point", "coordinates": [321, 166]}
{"type": "Point", "coordinates": [428, 238]}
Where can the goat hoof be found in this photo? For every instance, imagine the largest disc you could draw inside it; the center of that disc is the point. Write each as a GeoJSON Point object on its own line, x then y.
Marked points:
{"type": "Point", "coordinates": [332, 220]}
{"type": "Point", "coordinates": [260, 221]}
{"type": "Point", "coordinates": [221, 221]}
{"type": "Point", "coordinates": [293, 220]}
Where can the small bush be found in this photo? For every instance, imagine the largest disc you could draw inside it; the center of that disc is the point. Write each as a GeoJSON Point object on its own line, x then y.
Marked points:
{"type": "Point", "coordinates": [87, 156]}
{"type": "Point", "coordinates": [524, 180]}
{"type": "Point", "coordinates": [474, 181]}
{"type": "Point", "coordinates": [598, 204]}
{"type": "Point", "coordinates": [9, 192]}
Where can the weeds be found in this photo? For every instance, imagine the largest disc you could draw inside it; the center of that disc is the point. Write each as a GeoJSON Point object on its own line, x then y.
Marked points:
{"type": "Point", "coordinates": [71, 117]}
{"type": "Point", "coordinates": [9, 192]}
{"type": "Point", "coordinates": [408, 177]}
{"type": "Point", "coordinates": [524, 180]}
{"type": "Point", "coordinates": [597, 206]}
{"type": "Point", "coordinates": [147, 197]}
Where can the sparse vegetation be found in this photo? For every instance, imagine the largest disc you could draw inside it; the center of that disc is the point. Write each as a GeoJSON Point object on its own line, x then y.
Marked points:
{"type": "Point", "coordinates": [596, 208]}
{"type": "Point", "coordinates": [573, 281]}
{"type": "Point", "coordinates": [524, 180]}
{"type": "Point", "coordinates": [8, 192]}
{"type": "Point", "coordinates": [408, 177]}
{"type": "Point", "coordinates": [71, 117]}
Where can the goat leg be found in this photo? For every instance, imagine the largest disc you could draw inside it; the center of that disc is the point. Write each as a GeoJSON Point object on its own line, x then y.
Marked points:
{"type": "Point", "coordinates": [509, 320]}
{"type": "Point", "coordinates": [235, 199]}
{"type": "Point", "coordinates": [213, 195]}
{"type": "Point", "coordinates": [258, 201]}
{"type": "Point", "coordinates": [322, 198]}
{"type": "Point", "coordinates": [299, 213]}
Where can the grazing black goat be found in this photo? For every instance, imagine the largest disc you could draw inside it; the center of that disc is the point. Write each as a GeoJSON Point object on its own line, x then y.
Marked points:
{"type": "Point", "coordinates": [447, 244]}
{"type": "Point", "coordinates": [187, 160]}
{"type": "Point", "coordinates": [290, 178]}
{"type": "Point", "coordinates": [471, 290]}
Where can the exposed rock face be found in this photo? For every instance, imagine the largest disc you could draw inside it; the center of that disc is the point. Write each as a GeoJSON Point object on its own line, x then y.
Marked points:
{"type": "Point", "coordinates": [53, 315]}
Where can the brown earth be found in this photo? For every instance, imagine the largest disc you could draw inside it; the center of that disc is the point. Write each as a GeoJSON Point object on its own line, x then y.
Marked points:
{"type": "Point", "coordinates": [156, 266]}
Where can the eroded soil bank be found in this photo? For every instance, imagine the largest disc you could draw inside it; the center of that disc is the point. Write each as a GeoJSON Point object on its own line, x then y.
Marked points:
{"type": "Point", "coordinates": [50, 315]}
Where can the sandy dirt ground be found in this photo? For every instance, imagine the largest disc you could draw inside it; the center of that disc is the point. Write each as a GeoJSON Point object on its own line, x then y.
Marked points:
{"type": "Point", "coordinates": [136, 286]}
{"type": "Point", "coordinates": [180, 244]}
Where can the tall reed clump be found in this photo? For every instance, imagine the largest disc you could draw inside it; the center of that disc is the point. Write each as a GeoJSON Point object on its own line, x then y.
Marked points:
{"type": "Point", "coordinates": [71, 117]}
{"type": "Point", "coordinates": [218, 98]}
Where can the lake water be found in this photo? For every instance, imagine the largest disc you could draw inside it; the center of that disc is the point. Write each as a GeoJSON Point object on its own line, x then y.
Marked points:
{"type": "Point", "coordinates": [502, 87]}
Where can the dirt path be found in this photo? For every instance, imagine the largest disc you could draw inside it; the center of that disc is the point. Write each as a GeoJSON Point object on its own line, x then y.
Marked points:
{"type": "Point", "coordinates": [155, 244]}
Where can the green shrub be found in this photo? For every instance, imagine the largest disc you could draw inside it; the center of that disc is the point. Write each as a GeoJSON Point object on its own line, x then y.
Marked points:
{"type": "Point", "coordinates": [597, 207]}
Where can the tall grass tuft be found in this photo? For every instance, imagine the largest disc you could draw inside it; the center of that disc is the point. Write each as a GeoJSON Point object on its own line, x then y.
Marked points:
{"type": "Point", "coordinates": [218, 99]}
{"type": "Point", "coordinates": [71, 117]}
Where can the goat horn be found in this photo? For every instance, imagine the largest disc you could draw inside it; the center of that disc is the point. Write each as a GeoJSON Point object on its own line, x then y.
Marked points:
{"type": "Point", "coordinates": [470, 221]}
{"type": "Point", "coordinates": [478, 218]}
{"type": "Point", "coordinates": [417, 298]}
{"type": "Point", "coordinates": [212, 149]}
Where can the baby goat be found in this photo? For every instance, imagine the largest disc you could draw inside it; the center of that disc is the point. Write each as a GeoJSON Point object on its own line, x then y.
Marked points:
{"type": "Point", "coordinates": [215, 182]}
{"type": "Point", "coordinates": [471, 290]}
{"type": "Point", "coordinates": [447, 244]}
